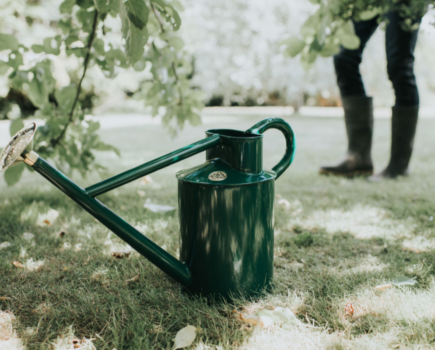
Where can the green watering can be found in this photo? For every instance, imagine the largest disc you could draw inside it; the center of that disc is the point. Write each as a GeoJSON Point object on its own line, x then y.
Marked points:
{"type": "Point", "coordinates": [225, 207]}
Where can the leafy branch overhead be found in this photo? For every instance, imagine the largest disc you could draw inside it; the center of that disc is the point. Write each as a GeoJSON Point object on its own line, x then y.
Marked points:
{"type": "Point", "coordinates": [149, 42]}
{"type": "Point", "coordinates": [331, 26]}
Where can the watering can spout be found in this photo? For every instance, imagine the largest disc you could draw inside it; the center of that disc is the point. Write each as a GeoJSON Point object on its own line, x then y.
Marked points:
{"type": "Point", "coordinates": [154, 253]}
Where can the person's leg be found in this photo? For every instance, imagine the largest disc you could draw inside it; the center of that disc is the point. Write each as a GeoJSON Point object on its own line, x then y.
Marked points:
{"type": "Point", "coordinates": [347, 62]}
{"type": "Point", "coordinates": [358, 108]}
{"type": "Point", "coordinates": [400, 45]}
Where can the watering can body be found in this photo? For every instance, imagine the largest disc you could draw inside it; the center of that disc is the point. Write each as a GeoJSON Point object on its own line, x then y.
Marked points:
{"type": "Point", "coordinates": [225, 208]}
{"type": "Point", "coordinates": [226, 217]}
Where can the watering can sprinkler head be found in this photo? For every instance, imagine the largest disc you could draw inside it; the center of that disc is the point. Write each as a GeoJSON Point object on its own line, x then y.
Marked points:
{"type": "Point", "coordinates": [18, 148]}
{"type": "Point", "coordinates": [225, 207]}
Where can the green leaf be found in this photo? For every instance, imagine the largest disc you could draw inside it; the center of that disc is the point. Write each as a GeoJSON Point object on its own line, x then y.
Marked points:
{"type": "Point", "coordinates": [347, 37]}
{"type": "Point", "coordinates": [65, 25]}
{"type": "Point", "coordinates": [176, 42]}
{"type": "Point", "coordinates": [369, 14]}
{"type": "Point", "coordinates": [294, 47]}
{"type": "Point", "coordinates": [16, 125]}
{"type": "Point", "coordinates": [99, 46]}
{"type": "Point", "coordinates": [67, 6]}
{"type": "Point", "coordinates": [330, 48]}
{"type": "Point", "coordinates": [134, 43]}
{"type": "Point", "coordinates": [8, 42]}
{"type": "Point", "coordinates": [86, 19]}
{"type": "Point", "coordinates": [36, 48]}
{"type": "Point", "coordinates": [170, 13]}
{"type": "Point", "coordinates": [173, 18]}
{"type": "Point", "coordinates": [101, 146]}
{"type": "Point", "coordinates": [13, 174]}
{"type": "Point", "coordinates": [137, 12]}
{"type": "Point", "coordinates": [65, 96]}
{"type": "Point", "coordinates": [37, 92]}
{"type": "Point", "coordinates": [104, 6]}
{"type": "Point", "coordinates": [85, 4]}
{"type": "Point", "coordinates": [309, 28]}
{"type": "Point", "coordinates": [15, 59]}
{"type": "Point", "coordinates": [4, 67]}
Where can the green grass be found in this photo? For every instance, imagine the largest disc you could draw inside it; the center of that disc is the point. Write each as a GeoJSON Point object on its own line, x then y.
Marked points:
{"type": "Point", "coordinates": [335, 241]}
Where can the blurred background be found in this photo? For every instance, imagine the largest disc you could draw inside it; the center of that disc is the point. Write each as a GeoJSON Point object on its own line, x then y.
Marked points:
{"type": "Point", "coordinates": [234, 49]}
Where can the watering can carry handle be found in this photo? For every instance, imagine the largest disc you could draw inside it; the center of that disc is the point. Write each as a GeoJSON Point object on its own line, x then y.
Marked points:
{"type": "Point", "coordinates": [285, 128]}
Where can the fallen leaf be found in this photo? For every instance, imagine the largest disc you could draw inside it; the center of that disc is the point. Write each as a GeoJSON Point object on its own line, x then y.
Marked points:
{"type": "Point", "coordinates": [28, 236]}
{"type": "Point", "coordinates": [5, 298]}
{"type": "Point", "coordinates": [403, 280]}
{"type": "Point", "coordinates": [5, 245]}
{"type": "Point", "coordinates": [121, 255]}
{"type": "Point", "coordinates": [141, 193]}
{"type": "Point", "coordinates": [33, 265]}
{"type": "Point", "coordinates": [157, 208]}
{"type": "Point", "coordinates": [384, 286]}
{"type": "Point", "coordinates": [146, 179]}
{"type": "Point", "coordinates": [18, 264]}
{"type": "Point", "coordinates": [266, 318]}
{"type": "Point", "coordinates": [184, 337]}
{"type": "Point", "coordinates": [61, 234]}
{"type": "Point", "coordinates": [48, 218]}
{"type": "Point", "coordinates": [348, 309]}
{"type": "Point", "coordinates": [134, 279]}
{"type": "Point", "coordinates": [284, 202]}
{"type": "Point", "coordinates": [262, 321]}
{"type": "Point", "coordinates": [282, 314]}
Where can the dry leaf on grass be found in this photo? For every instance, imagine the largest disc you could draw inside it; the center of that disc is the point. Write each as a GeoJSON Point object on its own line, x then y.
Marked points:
{"type": "Point", "coordinates": [18, 264]}
{"type": "Point", "coordinates": [384, 286]}
{"type": "Point", "coordinates": [5, 245]}
{"type": "Point", "coordinates": [61, 234]}
{"type": "Point", "coordinates": [348, 309]}
{"type": "Point", "coordinates": [146, 180]}
{"type": "Point", "coordinates": [157, 208]}
{"type": "Point", "coordinates": [48, 218]}
{"type": "Point", "coordinates": [134, 279]}
{"type": "Point", "coordinates": [121, 255]}
{"type": "Point", "coordinates": [5, 298]}
{"type": "Point", "coordinates": [184, 337]}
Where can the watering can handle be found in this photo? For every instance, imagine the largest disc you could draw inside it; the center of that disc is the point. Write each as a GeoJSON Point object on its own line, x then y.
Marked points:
{"type": "Point", "coordinates": [285, 128]}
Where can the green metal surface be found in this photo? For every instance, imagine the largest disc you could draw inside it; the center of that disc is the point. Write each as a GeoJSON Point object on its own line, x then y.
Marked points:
{"type": "Point", "coordinates": [227, 237]}
{"type": "Point", "coordinates": [200, 175]}
{"type": "Point", "coordinates": [150, 167]}
{"type": "Point", "coordinates": [285, 128]}
{"type": "Point", "coordinates": [113, 222]}
{"type": "Point", "coordinates": [243, 151]}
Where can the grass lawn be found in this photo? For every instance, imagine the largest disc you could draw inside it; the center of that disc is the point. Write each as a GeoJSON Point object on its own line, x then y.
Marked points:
{"type": "Point", "coordinates": [335, 240]}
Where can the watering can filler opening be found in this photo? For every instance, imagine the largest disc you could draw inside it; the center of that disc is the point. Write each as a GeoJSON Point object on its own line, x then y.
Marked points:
{"type": "Point", "coordinates": [225, 206]}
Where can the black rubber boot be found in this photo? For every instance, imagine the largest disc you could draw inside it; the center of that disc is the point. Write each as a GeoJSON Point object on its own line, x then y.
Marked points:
{"type": "Point", "coordinates": [403, 126]}
{"type": "Point", "coordinates": [358, 116]}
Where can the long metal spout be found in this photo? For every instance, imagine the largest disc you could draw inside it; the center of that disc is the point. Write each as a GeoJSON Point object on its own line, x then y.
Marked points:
{"type": "Point", "coordinates": [158, 256]}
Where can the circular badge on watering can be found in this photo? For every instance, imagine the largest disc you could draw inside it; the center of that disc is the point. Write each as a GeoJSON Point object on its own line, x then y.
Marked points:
{"type": "Point", "coordinates": [217, 176]}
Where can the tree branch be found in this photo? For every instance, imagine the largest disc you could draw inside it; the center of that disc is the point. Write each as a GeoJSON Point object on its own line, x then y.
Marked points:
{"type": "Point", "coordinates": [56, 141]}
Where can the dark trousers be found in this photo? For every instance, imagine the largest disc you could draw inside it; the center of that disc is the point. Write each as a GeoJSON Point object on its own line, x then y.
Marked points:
{"type": "Point", "coordinates": [400, 47]}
